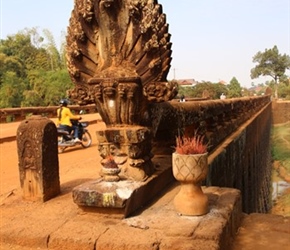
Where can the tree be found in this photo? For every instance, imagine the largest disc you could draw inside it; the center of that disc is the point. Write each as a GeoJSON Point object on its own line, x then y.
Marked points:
{"type": "Point", "coordinates": [284, 90]}
{"type": "Point", "coordinates": [51, 49]}
{"type": "Point", "coordinates": [11, 90]}
{"type": "Point", "coordinates": [214, 89]}
{"type": "Point", "coordinates": [270, 63]}
{"type": "Point", "coordinates": [46, 88]}
{"type": "Point", "coordinates": [235, 89]}
{"type": "Point", "coordinates": [32, 73]}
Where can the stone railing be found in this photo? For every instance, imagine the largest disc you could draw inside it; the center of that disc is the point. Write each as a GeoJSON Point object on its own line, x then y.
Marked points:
{"type": "Point", "coordinates": [19, 114]}
{"type": "Point", "coordinates": [238, 131]}
{"type": "Point", "coordinates": [281, 111]}
{"type": "Point", "coordinates": [217, 119]}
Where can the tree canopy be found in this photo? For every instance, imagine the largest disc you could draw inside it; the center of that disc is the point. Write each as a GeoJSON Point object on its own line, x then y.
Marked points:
{"type": "Point", "coordinates": [33, 71]}
{"type": "Point", "coordinates": [214, 90]}
{"type": "Point", "coordinates": [271, 63]}
{"type": "Point", "coordinates": [235, 89]}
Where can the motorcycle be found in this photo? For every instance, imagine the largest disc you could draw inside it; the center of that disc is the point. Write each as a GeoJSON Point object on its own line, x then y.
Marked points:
{"type": "Point", "coordinates": [66, 138]}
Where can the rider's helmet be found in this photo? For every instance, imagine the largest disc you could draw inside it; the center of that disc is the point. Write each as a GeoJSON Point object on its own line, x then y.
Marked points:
{"type": "Point", "coordinates": [63, 102]}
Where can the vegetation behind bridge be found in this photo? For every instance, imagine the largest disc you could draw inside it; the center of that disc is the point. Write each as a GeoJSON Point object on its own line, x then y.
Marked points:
{"type": "Point", "coordinates": [281, 157]}
{"type": "Point", "coordinates": [33, 73]}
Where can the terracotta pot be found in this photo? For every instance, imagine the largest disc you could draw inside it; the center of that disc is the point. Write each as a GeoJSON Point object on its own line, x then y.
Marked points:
{"type": "Point", "coordinates": [190, 171]}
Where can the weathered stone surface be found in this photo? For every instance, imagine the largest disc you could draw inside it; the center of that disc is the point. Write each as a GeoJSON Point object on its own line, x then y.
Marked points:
{"type": "Point", "coordinates": [251, 172]}
{"type": "Point", "coordinates": [127, 134]}
{"type": "Point", "coordinates": [119, 55]}
{"type": "Point", "coordinates": [214, 118]}
{"type": "Point", "coordinates": [281, 111]}
{"type": "Point", "coordinates": [130, 147]}
{"type": "Point", "coordinates": [157, 227]}
{"type": "Point", "coordinates": [38, 158]}
{"type": "Point", "coordinates": [124, 196]}
{"type": "Point", "coordinates": [112, 43]}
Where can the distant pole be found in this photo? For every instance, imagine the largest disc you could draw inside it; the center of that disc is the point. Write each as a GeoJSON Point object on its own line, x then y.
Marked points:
{"type": "Point", "coordinates": [174, 74]}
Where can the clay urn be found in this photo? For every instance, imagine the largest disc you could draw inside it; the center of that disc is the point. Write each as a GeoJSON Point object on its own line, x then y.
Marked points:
{"type": "Point", "coordinates": [190, 168]}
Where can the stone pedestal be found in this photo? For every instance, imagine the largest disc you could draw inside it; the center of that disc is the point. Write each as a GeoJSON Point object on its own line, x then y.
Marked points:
{"type": "Point", "coordinates": [38, 159]}
{"type": "Point", "coordinates": [126, 196]}
{"type": "Point", "coordinates": [130, 147]}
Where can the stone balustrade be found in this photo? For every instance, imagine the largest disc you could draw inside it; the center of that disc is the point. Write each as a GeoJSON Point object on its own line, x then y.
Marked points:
{"type": "Point", "coordinates": [217, 119]}
{"type": "Point", "coordinates": [19, 114]}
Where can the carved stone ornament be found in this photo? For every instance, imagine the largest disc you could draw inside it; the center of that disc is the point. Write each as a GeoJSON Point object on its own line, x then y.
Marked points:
{"type": "Point", "coordinates": [118, 55]}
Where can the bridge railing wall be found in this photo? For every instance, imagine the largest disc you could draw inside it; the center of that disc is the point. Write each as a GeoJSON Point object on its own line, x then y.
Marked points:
{"type": "Point", "coordinates": [243, 161]}
{"type": "Point", "coordinates": [19, 114]}
{"type": "Point", "coordinates": [238, 131]}
{"type": "Point", "coordinates": [281, 111]}
{"type": "Point", "coordinates": [215, 118]}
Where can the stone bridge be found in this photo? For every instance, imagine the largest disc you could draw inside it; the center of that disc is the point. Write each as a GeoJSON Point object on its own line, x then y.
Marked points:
{"type": "Point", "coordinates": [239, 134]}
{"type": "Point", "coordinates": [238, 131]}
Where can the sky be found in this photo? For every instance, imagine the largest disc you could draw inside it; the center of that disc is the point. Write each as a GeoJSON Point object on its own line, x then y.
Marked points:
{"type": "Point", "coordinates": [212, 40]}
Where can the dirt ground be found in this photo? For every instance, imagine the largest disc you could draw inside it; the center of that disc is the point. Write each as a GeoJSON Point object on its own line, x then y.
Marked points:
{"type": "Point", "coordinates": [76, 165]}
{"type": "Point", "coordinates": [70, 163]}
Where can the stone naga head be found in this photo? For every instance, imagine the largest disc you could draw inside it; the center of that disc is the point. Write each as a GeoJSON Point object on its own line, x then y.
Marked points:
{"type": "Point", "coordinates": [118, 55]}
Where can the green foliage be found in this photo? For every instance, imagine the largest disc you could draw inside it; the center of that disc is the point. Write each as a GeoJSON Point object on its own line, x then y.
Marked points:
{"type": "Point", "coordinates": [51, 49]}
{"type": "Point", "coordinates": [284, 91]}
{"type": "Point", "coordinates": [235, 89]}
{"type": "Point", "coordinates": [281, 144]}
{"type": "Point", "coordinates": [280, 152]}
{"type": "Point", "coordinates": [11, 63]}
{"type": "Point", "coordinates": [214, 90]}
{"type": "Point", "coordinates": [11, 90]}
{"type": "Point", "coordinates": [186, 91]}
{"type": "Point", "coordinates": [32, 73]}
{"type": "Point", "coordinates": [270, 63]}
{"type": "Point", "coordinates": [46, 88]}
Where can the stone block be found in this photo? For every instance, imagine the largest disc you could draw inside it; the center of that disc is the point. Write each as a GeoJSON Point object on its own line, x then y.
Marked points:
{"type": "Point", "coordinates": [38, 158]}
{"type": "Point", "coordinates": [125, 196]}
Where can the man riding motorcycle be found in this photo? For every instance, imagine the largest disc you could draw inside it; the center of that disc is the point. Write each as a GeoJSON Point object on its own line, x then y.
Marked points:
{"type": "Point", "coordinates": [65, 116]}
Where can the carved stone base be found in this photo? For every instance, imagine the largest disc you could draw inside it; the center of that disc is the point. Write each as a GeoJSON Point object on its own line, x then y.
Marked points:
{"type": "Point", "coordinates": [125, 196]}
{"type": "Point", "coordinates": [130, 147]}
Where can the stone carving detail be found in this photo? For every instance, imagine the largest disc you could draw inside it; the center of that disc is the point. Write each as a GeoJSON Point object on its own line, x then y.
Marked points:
{"type": "Point", "coordinates": [119, 54]}
{"type": "Point", "coordinates": [131, 149]}
{"type": "Point", "coordinates": [28, 156]}
{"type": "Point", "coordinates": [118, 39]}
{"type": "Point", "coordinates": [38, 158]}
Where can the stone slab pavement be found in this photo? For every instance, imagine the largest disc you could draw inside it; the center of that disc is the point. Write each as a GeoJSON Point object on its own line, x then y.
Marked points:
{"type": "Point", "coordinates": [60, 224]}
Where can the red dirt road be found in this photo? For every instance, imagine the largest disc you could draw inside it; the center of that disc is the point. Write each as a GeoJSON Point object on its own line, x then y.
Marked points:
{"type": "Point", "coordinates": [75, 161]}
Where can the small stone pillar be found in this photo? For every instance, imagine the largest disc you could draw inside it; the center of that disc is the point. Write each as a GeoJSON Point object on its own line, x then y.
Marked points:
{"type": "Point", "coordinates": [38, 158]}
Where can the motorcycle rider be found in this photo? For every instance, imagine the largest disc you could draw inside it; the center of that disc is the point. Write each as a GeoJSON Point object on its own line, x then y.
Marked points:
{"type": "Point", "coordinates": [64, 116]}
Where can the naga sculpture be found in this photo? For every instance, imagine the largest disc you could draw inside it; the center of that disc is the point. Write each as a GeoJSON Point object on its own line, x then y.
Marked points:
{"type": "Point", "coordinates": [118, 55]}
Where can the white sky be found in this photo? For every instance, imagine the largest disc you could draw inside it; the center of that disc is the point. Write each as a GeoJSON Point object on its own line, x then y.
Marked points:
{"type": "Point", "coordinates": [212, 39]}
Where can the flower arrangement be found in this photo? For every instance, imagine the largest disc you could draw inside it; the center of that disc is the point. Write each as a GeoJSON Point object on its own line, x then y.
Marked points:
{"type": "Point", "coordinates": [109, 162]}
{"type": "Point", "coordinates": [191, 145]}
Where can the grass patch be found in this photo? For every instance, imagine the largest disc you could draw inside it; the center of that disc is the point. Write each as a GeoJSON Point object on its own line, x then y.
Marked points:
{"type": "Point", "coordinates": [281, 144]}
{"type": "Point", "coordinates": [281, 153]}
